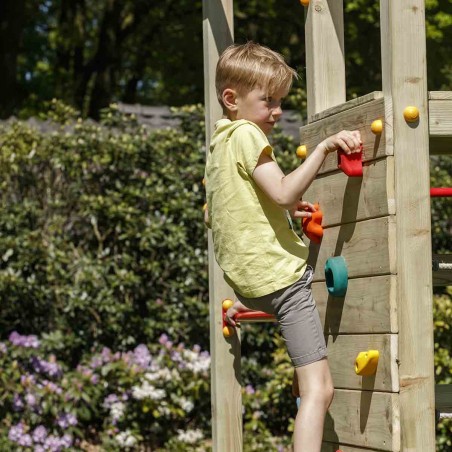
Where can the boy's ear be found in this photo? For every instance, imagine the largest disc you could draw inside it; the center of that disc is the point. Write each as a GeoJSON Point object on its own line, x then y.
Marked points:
{"type": "Point", "coordinates": [229, 98]}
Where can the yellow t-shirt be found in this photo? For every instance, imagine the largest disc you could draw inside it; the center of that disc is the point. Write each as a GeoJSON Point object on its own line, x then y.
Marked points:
{"type": "Point", "coordinates": [254, 241]}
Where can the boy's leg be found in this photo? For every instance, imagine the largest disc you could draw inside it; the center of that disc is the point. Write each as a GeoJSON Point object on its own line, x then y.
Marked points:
{"type": "Point", "coordinates": [316, 392]}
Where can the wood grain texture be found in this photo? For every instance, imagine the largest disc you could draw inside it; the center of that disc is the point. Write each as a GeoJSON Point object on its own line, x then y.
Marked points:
{"type": "Point", "coordinates": [325, 64]}
{"type": "Point", "coordinates": [343, 350]}
{"type": "Point", "coordinates": [369, 306]}
{"type": "Point", "coordinates": [344, 199]}
{"type": "Point", "coordinates": [440, 118]}
{"type": "Point", "coordinates": [365, 246]}
{"type": "Point", "coordinates": [357, 118]}
{"type": "Point", "coordinates": [225, 354]}
{"type": "Point", "coordinates": [443, 398]}
{"type": "Point", "coordinates": [364, 419]}
{"type": "Point", "coordinates": [405, 83]}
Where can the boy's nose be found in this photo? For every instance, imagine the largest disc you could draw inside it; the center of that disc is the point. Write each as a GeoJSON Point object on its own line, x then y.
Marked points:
{"type": "Point", "coordinates": [277, 111]}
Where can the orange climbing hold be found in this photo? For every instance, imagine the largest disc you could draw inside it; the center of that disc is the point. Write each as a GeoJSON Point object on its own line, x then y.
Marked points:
{"type": "Point", "coordinates": [312, 226]}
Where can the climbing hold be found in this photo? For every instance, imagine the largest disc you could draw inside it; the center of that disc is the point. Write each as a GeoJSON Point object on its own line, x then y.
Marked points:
{"type": "Point", "coordinates": [366, 363]}
{"type": "Point", "coordinates": [312, 226]}
{"type": "Point", "coordinates": [336, 275]}
{"type": "Point", "coordinates": [228, 331]}
{"type": "Point", "coordinates": [204, 181]}
{"type": "Point", "coordinates": [411, 114]}
{"type": "Point", "coordinates": [302, 152]}
{"type": "Point", "coordinates": [377, 126]}
{"type": "Point", "coordinates": [227, 303]}
{"type": "Point", "coordinates": [351, 164]}
{"type": "Point", "coordinates": [304, 2]}
{"type": "Point", "coordinates": [204, 207]}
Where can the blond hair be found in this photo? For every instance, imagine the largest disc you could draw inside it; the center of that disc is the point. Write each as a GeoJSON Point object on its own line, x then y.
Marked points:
{"type": "Point", "coordinates": [244, 67]}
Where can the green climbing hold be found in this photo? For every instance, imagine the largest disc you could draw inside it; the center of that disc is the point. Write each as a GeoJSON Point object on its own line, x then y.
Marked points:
{"type": "Point", "coordinates": [336, 275]}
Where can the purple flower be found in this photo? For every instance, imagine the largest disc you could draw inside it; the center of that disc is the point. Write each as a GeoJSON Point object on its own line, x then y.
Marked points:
{"type": "Point", "coordinates": [51, 368]}
{"type": "Point", "coordinates": [110, 400]}
{"type": "Point", "coordinates": [18, 403]}
{"type": "Point", "coordinates": [39, 434]}
{"type": "Point", "coordinates": [141, 356]}
{"type": "Point", "coordinates": [24, 341]}
{"type": "Point", "coordinates": [3, 348]}
{"type": "Point", "coordinates": [66, 420]}
{"type": "Point", "coordinates": [96, 361]}
{"type": "Point", "coordinates": [31, 400]}
{"type": "Point", "coordinates": [15, 432]}
{"type": "Point", "coordinates": [94, 379]}
{"type": "Point", "coordinates": [27, 380]}
{"type": "Point", "coordinates": [163, 339]}
{"type": "Point", "coordinates": [25, 440]}
{"type": "Point", "coordinates": [249, 389]}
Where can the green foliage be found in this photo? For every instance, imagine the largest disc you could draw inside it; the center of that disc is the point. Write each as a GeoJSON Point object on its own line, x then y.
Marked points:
{"type": "Point", "coordinates": [101, 234]}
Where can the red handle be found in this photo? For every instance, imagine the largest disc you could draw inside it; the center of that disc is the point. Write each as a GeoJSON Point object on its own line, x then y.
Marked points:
{"type": "Point", "coordinates": [351, 164]}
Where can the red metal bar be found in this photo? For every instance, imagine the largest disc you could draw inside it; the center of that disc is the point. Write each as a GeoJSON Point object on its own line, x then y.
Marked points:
{"type": "Point", "coordinates": [255, 316]}
{"type": "Point", "coordinates": [442, 192]}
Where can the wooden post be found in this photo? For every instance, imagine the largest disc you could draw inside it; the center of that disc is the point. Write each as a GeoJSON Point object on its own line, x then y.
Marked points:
{"type": "Point", "coordinates": [225, 354]}
{"type": "Point", "coordinates": [404, 83]}
{"type": "Point", "coordinates": [325, 64]}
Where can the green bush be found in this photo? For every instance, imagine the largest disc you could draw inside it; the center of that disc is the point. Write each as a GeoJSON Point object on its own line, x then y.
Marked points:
{"type": "Point", "coordinates": [101, 234]}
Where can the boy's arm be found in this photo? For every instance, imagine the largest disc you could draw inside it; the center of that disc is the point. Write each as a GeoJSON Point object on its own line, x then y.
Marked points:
{"type": "Point", "coordinates": [286, 191]}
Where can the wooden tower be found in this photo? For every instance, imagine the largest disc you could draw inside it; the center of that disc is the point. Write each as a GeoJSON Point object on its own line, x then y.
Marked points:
{"type": "Point", "coordinates": [380, 224]}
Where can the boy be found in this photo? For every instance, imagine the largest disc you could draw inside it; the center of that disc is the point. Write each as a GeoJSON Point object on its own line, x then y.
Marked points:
{"type": "Point", "coordinates": [248, 200]}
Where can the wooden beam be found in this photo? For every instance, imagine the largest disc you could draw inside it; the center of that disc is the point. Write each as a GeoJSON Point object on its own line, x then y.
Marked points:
{"type": "Point", "coordinates": [442, 277]}
{"type": "Point", "coordinates": [403, 46]}
{"type": "Point", "coordinates": [364, 419]}
{"type": "Point", "coordinates": [325, 64]}
{"type": "Point", "coordinates": [360, 117]}
{"type": "Point", "coordinates": [369, 306]}
{"type": "Point", "coordinates": [225, 355]}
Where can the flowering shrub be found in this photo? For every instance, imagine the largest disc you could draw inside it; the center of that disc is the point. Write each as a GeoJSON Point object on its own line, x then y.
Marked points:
{"type": "Point", "coordinates": [117, 400]}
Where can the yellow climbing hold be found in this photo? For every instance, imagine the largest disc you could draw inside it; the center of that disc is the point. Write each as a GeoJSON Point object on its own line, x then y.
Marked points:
{"type": "Point", "coordinates": [411, 114]}
{"type": "Point", "coordinates": [302, 151]}
{"type": "Point", "coordinates": [304, 2]}
{"type": "Point", "coordinates": [227, 303]}
{"type": "Point", "coordinates": [366, 363]}
{"type": "Point", "coordinates": [377, 126]}
{"type": "Point", "coordinates": [228, 331]}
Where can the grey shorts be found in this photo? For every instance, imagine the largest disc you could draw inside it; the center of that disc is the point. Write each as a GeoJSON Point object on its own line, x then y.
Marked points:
{"type": "Point", "coordinates": [295, 310]}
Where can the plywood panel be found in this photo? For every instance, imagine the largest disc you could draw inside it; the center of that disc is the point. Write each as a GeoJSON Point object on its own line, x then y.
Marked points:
{"type": "Point", "coordinates": [346, 199]}
{"type": "Point", "coordinates": [366, 246]}
{"type": "Point", "coordinates": [343, 350]}
{"type": "Point", "coordinates": [359, 118]}
{"type": "Point", "coordinates": [364, 419]}
{"type": "Point", "coordinates": [370, 306]}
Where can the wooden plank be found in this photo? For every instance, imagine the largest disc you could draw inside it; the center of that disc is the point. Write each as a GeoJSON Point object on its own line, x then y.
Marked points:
{"type": "Point", "coordinates": [325, 64]}
{"type": "Point", "coordinates": [343, 350]}
{"type": "Point", "coordinates": [404, 81]}
{"type": "Point", "coordinates": [346, 106]}
{"type": "Point", "coordinates": [440, 118]}
{"type": "Point", "coordinates": [440, 95]}
{"type": "Point", "coordinates": [344, 199]}
{"type": "Point", "coordinates": [443, 398]}
{"type": "Point", "coordinates": [368, 307]}
{"type": "Point", "coordinates": [364, 419]}
{"type": "Point", "coordinates": [366, 247]}
{"type": "Point", "coordinates": [226, 398]}
{"type": "Point", "coordinates": [359, 118]}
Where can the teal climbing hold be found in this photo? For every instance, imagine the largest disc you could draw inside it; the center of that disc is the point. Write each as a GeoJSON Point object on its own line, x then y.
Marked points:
{"type": "Point", "coordinates": [336, 275]}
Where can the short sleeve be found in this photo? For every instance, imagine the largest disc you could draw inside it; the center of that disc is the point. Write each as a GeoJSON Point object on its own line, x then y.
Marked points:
{"type": "Point", "coordinates": [249, 142]}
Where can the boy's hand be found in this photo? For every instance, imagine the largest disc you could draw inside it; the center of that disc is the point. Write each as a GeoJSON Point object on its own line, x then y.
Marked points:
{"type": "Point", "coordinates": [348, 141]}
{"type": "Point", "coordinates": [302, 209]}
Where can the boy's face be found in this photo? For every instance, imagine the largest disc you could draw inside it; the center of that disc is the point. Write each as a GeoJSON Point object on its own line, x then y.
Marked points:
{"type": "Point", "coordinates": [257, 107]}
